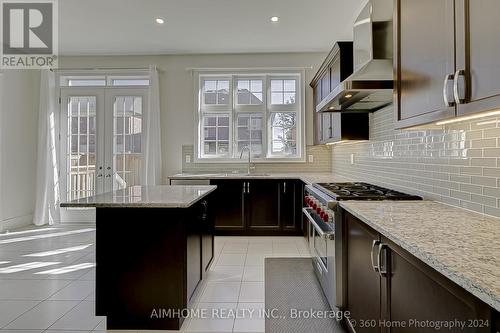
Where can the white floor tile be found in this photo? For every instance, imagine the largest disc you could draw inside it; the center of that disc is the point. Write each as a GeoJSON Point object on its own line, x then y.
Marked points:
{"type": "Point", "coordinates": [81, 317]}
{"type": "Point", "coordinates": [43, 315]}
{"type": "Point", "coordinates": [235, 248]}
{"type": "Point", "coordinates": [252, 292]}
{"type": "Point", "coordinates": [253, 320]}
{"type": "Point", "coordinates": [220, 292]}
{"type": "Point", "coordinates": [75, 291]}
{"type": "Point", "coordinates": [10, 310]}
{"type": "Point", "coordinates": [216, 318]}
{"type": "Point", "coordinates": [30, 289]}
{"type": "Point", "coordinates": [24, 331]}
{"type": "Point", "coordinates": [253, 274]}
{"type": "Point", "coordinates": [264, 248]}
{"type": "Point", "coordinates": [225, 274]}
{"type": "Point", "coordinates": [256, 259]}
{"type": "Point", "coordinates": [231, 259]}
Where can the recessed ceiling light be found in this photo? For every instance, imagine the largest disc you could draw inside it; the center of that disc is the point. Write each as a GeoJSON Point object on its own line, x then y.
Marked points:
{"type": "Point", "coordinates": [159, 20]}
{"type": "Point", "coordinates": [275, 19]}
{"type": "Point", "coordinates": [348, 96]}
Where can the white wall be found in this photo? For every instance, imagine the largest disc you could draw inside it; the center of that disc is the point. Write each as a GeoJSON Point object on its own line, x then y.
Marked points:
{"type": "Point", "coordinates": [177, 100]}
{"type": "Point", "coordinates": [18, 143]}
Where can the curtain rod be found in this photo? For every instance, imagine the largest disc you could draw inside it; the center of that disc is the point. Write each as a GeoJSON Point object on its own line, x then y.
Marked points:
{"type": "Point", "coordinates": [208, 69]}
{"type": "Point", "coordinates": [101, 69]}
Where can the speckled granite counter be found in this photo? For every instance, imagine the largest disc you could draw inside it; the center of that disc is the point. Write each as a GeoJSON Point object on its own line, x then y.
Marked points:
{"type": "Point", "coordinates": [307, 178]}
{"type": "Point", "coordinates": [163, 196]}
{"type": "Point", "coordinates": [462, 245]}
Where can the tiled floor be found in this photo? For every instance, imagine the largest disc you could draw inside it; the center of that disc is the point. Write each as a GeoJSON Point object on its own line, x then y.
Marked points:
{"type": "Point", "coordinates": [47, 282]}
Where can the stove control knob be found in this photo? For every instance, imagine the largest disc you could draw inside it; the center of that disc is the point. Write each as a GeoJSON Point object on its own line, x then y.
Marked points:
{"type": "Point", "coordinates": [325, 217]}
{"type": "Point", "coordinates": [330, 217]}
{"type": "Point", "coordinates": [319, 208]}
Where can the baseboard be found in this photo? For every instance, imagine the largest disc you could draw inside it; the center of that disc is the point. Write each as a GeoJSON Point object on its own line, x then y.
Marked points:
{"type": "Point", "coordinates": [16, 222]}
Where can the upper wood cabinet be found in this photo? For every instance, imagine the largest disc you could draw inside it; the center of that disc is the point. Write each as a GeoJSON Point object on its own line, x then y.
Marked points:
{"type": "Point", "coordinates": [446, 59]}
{"type": "Point", "coordinates": [478, 50]}
{"type": "Point", "coordinates": [337, 66]}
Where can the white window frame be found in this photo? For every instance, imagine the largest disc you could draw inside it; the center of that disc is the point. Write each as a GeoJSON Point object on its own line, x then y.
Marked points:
{"type": "Point", "coordinates": [233, 110]}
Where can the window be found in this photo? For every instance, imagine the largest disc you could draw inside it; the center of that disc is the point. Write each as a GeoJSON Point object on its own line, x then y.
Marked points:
{"type": "Point", "coordinates": [283, 92]}
{"type": "Point", "coordinates": [216, 136]}
{"type": "Point", "coordinates": [258, 111]}
{"type": "Point", "coordinates": [103, 80]}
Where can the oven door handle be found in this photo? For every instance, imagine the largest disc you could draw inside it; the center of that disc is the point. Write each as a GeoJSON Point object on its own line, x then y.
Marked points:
{"type": "Point", "coordinates": [326, 235]}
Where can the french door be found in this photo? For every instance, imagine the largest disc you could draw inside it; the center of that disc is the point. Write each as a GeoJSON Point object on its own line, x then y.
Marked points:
{"type": "Point", "coordinates": [101, 139]}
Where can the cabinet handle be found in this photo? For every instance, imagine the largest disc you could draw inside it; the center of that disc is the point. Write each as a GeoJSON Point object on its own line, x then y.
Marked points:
{"type": "Point", "coordinates": [447, 78]}
{"type": "Point", "coordinates": [375, 243]}
{"type": "Point", "coordinates": [382, 273]}
{"type": "Point", "coordinates": [248, 187]}
{"type": "Point", "coordinates": [244, 188]}
{"type": "Point", "coordinates": [456, 94]}
{"type": "Point", "coordinates": [284, 187]}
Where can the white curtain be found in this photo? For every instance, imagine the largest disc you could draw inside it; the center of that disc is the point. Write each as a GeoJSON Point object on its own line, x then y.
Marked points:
{"type": "Point", "coordinates": [47, 179]}
{"type": "Point", "coordinates": [151, 172]}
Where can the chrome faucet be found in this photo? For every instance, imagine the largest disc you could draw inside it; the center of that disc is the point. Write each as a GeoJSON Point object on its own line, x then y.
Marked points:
{"type": "Point", "coordinates": [249, 156]}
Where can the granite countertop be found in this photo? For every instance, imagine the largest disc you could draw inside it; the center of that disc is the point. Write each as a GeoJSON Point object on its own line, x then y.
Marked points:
{"type": "Point", "coordinates": [161, 196]}
{"type": "Point", "coordinates": [308, 178]}
{"type": "Point", "coordinates": [462, 245]}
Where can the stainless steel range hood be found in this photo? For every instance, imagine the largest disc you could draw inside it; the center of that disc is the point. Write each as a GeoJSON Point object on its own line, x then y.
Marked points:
{"type": "Point", "coordinates": [369, 88]}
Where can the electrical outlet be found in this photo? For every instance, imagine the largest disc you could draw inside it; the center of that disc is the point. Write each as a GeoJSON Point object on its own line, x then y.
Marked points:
{"type": "Point", "coordinates": [310, 158]}
{"type": "Point", "coordinates": [188, 158]}
{"type": "Point", "coordinates": [352, 159]}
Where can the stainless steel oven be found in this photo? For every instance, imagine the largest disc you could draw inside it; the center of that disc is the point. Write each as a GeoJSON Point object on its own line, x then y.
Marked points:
{"type": "Point", "coordinates": [321, 236]}
{"type": "Point", "coordinates": [325, 230]}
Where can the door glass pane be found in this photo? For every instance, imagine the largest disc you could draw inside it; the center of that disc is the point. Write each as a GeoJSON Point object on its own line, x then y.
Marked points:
{"type": "Point", "coordinates": [127, 141]}
{"type": "Point", "coordinates": [81, 158]}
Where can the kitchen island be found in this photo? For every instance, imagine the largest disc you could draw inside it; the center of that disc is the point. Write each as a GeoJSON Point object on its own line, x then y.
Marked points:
{"type": "Point", "coordinates": [153, 247]}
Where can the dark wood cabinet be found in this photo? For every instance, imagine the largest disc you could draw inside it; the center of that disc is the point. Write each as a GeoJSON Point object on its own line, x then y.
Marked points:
{"type": "Point", "coordinates": [155, 266]}
{"type": "Point", "coordinates": [258, 207]}
{"type": "Point", "coordinates": [229, 204]}
{"type": "Point", "coordinates": [206, 218]}
{"type": "Point", "coordinates": [478, 47]}
{"type": "Point", "coordinates": [386, 285]}
{"type": "Point", "coordinates": [414, 290]}
{"type": "Point", "coordinates": [262, 202]}
{"type": "Point", "coordinates": [288, 209]}
{"type": "Point", "coordinates": [337, 66]}
{"type": "Point", "coordinates": [446, 59]}
{"type": "Point", "coordinates": [363, 287]}
{"type": "Point", "coordinates": [425, 46]}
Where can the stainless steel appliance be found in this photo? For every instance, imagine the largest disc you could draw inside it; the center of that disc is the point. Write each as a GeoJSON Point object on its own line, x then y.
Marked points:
{"type": "Point", "coordinates": [325, 231]}
{"type": "Point", "coordinates": [369, 88]}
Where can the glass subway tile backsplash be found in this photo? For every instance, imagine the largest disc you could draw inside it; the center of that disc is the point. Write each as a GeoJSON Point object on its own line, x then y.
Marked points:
{"type": "Point", "coordinates": [458, 164]}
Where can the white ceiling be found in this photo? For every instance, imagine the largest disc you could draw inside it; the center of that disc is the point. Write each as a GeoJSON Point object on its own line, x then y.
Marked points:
{"type": "Point", "coordinates": [105, 27]}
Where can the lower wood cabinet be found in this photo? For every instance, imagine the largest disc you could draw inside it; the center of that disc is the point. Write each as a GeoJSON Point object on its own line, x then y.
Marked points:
{"type": "Point", "coordinates": [258, 207]}
{"type": "Point", "coordinates": [388, 287]}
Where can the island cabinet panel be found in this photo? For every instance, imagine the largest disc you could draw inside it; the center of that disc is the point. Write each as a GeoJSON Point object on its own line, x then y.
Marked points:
{"type": "Point", "coordinates": [390, 290]}
{"type": "Point", "coordinates": [150, 261]}
{"type": "Point", "coordinates": [258, 207]}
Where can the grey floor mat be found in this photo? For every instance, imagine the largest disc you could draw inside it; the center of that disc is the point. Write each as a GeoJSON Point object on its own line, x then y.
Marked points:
{"type": "Point", "coordinates": [291, 284]}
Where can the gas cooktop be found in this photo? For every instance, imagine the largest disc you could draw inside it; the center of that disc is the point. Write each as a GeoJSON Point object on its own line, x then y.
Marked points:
{"type": "Point", "coordinates": [362, 191]}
